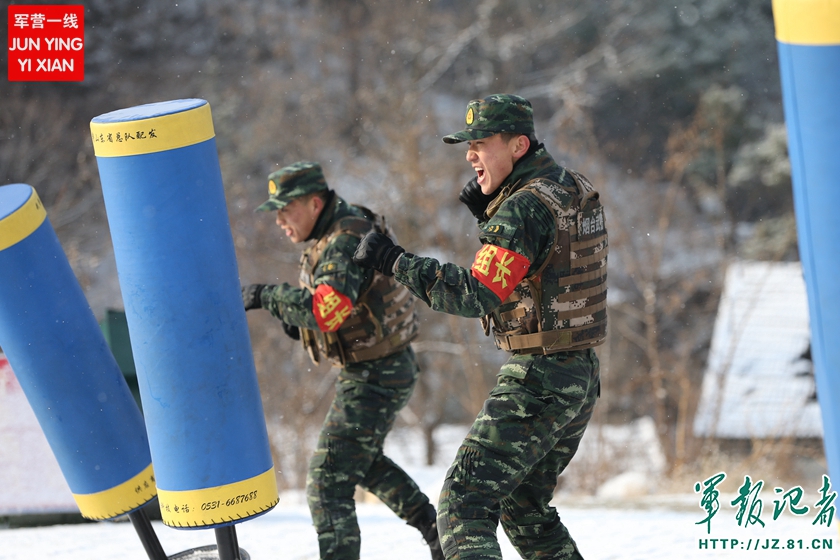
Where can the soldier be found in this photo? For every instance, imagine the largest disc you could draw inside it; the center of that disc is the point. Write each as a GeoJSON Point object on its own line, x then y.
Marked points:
{"type": "Point", "coordinates": [540, 280]}
{"type": "Point", "coordinates": [363, 322]}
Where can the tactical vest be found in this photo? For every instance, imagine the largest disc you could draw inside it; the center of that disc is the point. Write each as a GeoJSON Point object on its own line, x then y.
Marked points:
{"type": "Point", "coordinates": [563, 305]}
{"type": "Point", "coordinates": [383, 320]}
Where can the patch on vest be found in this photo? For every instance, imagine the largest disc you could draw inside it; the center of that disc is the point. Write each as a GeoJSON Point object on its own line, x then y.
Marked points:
{"type": "Point", "coordinates": [499, 269]}
{"type": "Point", "coordinates": [330, 307]}
{"type": "Point", "coordinates": [591, 224]}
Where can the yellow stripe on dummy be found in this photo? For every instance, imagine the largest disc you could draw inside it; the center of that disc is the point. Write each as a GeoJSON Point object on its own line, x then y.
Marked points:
{"type": "Point", "coordinates": [120, 499]}
{"type": "Point", "coordinates": [158, 134]}
{"type": "Point", "coordinates": [807, 22]}
{"type": "Point", "coordinates": [21, 223]}
{"type": "Point", "coordinates": [221, 504]}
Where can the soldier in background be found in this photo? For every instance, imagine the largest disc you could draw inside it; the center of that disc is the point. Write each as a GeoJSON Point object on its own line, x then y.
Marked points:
{"type": "Point", "coordinates": [363, 322]}
{"type": "Point", "coordinates": [539, 280]}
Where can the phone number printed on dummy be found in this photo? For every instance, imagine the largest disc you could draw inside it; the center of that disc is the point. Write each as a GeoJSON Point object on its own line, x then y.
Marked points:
{"type": "Point", "coordinates": [233, 501]}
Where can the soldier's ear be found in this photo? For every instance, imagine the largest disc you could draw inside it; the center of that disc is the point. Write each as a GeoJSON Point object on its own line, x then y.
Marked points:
{"type": "Point", "coordinates": [521, 143]}
{"type": "Point", "coordinates": [317, 203]}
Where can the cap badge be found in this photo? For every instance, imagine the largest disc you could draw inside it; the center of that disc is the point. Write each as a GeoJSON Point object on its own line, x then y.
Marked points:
{"type": "Point", "coordinates": [272, 187]}
{"type": "Point", "coordinates": [470, 116]}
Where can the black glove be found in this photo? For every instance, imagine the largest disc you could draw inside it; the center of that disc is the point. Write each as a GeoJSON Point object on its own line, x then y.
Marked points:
{"type": "Point", "coordinates": [291, 331]}
{"type": "Point", "coordinates": [475, 200]}
{"type": "Point", "coordinates": [376, 250]}
{"type": "Point", "coordinates": [251, 296]}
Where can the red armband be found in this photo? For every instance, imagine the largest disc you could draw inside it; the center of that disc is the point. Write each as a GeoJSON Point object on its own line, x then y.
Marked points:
{"type": "Point", "coordinates": [330, 307]}
{"type": "Point", "coordinates": [499, 269]}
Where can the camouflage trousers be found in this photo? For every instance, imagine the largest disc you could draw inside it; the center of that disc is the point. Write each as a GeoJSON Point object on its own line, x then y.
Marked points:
{"type": "Point", "coordinates": [506, 469]}
{"type": "Point", "coordinates": [368, 397]}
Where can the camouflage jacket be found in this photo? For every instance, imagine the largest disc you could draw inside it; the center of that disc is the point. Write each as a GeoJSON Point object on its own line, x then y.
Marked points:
{"type": "Point", "coordinates": [345, 313]}
{"type": "Point", "coordinates": [520, 236]}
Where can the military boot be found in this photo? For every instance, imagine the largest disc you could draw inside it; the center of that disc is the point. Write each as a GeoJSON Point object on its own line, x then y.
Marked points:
{"type": "Point", "coordinates": [425, 521]}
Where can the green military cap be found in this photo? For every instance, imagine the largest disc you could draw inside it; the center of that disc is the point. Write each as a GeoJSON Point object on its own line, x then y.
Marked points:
{"type": "Point", "coordinates": [500, 112]}
{"type": "Point", "coordinates": [292, 181]}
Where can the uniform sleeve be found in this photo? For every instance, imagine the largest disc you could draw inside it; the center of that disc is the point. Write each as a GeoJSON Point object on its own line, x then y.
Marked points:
{"type": "Point", "coordinates": [445, 287]}
{"type": "Point", "coordinates": [522, 225]}
{"type": "Point", "coordinates": [291, 305]}
{"type": "Point", "coordinates": [337, 275]}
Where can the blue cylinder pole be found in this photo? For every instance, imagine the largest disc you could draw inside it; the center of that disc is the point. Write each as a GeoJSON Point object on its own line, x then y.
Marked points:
{"type": "Point", "coordinates": [64, 366]}
{"type": "Point", "coordinates": [180, 285]}
{"type": "Point", "coordinates": [808, 40]}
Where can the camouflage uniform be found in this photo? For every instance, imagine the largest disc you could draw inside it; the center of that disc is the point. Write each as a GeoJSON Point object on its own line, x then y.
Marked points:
{"type": "Point", "coordinates": [530, 426]}
{"type": "Point", "coordinates": [368, 394]}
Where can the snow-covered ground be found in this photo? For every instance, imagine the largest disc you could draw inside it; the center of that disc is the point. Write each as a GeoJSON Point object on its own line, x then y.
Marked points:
{"type": "Point", "coordinates": [646, 527]}
{"type": "Point", "coordinates": [658, 533]}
